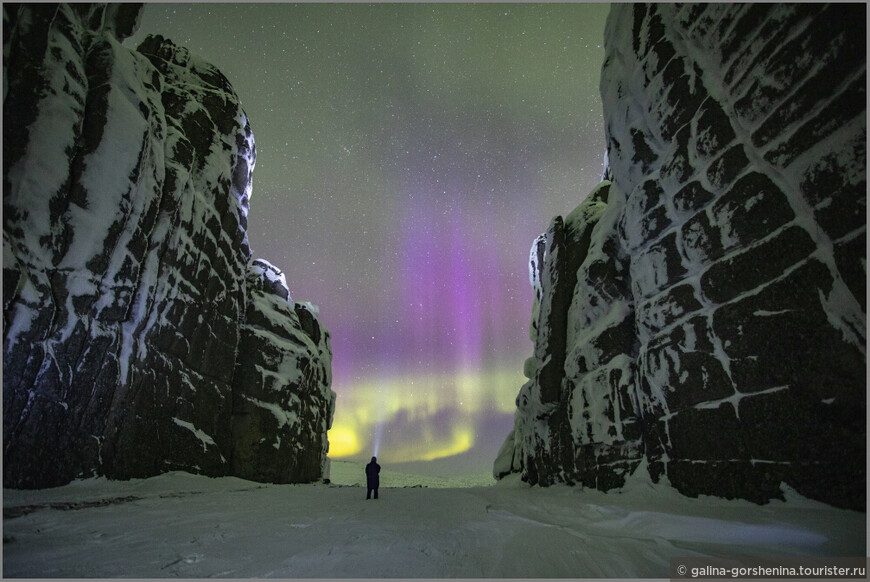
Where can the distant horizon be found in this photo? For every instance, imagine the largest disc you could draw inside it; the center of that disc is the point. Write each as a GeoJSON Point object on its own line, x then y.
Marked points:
{"type": "Point", "coordinates": [474, 462]}
{"type": "Point", "coordinates": [425, 474]}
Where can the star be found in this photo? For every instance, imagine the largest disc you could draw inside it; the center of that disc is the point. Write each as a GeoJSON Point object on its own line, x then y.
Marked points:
{"type": "Point", "coordinates": [407, 157]}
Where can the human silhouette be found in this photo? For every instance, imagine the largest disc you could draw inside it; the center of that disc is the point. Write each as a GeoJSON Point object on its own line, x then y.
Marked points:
{"type": "Point", "coordinates": [372, 479]}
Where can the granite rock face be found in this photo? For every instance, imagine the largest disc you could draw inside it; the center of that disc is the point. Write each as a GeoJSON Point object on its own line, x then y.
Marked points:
{"type": "Point", "coordinates": [716, 331]}
{"type": "Point", "coordinates": [126, 187]}
{"type": "Point", "coordinates": [281, 411]}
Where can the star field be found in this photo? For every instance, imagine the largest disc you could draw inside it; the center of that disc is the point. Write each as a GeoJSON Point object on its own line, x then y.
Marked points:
{"type": "Point", "coordinates": [407, 157]}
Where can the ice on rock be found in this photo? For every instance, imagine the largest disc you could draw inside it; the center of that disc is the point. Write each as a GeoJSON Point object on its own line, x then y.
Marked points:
{"type": "Point", "coordinates": [715, 335]}
{"type": "Point", "coordinates": [200, 435]}
{"type": "Point", "coordinates": [270, 277]}
{"type": "Point", "coordinates": [282, 399]}
{"type": "Point", "coordinates": [127, 296]}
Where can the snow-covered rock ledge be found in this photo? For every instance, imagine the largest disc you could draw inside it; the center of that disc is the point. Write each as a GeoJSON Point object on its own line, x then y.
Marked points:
{"type": "Point", "coordinates": [703, 315]}
{"type": "Point", "coordinates": [130, 301]}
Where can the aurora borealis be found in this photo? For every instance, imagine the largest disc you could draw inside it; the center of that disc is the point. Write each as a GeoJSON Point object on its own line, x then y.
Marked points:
{"type": "Point", "coordinates": [407, 157]}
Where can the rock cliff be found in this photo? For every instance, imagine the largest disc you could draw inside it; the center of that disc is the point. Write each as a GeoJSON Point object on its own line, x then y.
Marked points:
{"type": "Point", "coordinates": [132, 312]}
{"type": "Point", "coordinates": [701, 315]}
{"type": "Point", "coordinates": [281, 412]}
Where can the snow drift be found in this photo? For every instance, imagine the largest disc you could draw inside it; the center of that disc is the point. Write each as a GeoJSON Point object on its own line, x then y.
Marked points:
{"type": "Point", "coordinates": [190, 526]}
{"type": "Point", "coordinates": [702, 314]}
{"type": "Point", "coordinates": [139, 336]}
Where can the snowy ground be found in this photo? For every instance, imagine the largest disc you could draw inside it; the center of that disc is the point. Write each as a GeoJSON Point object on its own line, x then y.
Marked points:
{"type": "Point", "coordinates": [181, 525]}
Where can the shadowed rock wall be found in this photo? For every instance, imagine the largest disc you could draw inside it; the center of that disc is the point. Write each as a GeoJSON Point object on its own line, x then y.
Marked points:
{"type": "Point", "coordinates": [126, 185]}
{"type": "Point", "coordinates": [281, 411]}
{"type": "Point", "coordinates": [716, 333]}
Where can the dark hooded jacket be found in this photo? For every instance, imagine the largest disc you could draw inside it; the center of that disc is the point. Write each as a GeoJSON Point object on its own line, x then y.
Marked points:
{"type": "Point", "coordinates": [372, 470]}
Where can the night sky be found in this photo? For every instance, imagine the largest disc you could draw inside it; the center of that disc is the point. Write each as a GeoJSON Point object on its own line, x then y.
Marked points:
{"type": "Point", "coordinates": [407, 157]}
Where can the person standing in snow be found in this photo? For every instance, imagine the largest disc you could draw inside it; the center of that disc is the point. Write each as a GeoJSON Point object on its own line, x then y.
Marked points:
{"type": "Point", "coordinates": [372, 479]}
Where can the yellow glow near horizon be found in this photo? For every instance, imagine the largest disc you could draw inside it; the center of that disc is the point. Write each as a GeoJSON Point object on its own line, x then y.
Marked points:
{"type": "Point", "coordinates": [461, 442]}
{"type": "Point", "coordinates": [412, 401]}
{"type": "Point", "coordinates": [343, 442]}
